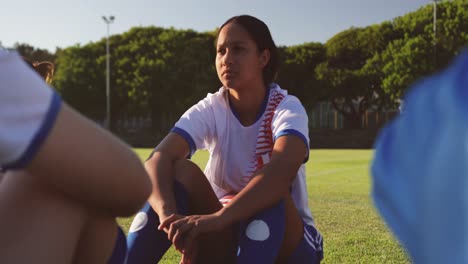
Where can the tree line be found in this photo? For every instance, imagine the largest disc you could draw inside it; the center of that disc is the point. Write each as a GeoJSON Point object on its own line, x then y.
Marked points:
{"type": "Point", "coordinates": [163, 71]}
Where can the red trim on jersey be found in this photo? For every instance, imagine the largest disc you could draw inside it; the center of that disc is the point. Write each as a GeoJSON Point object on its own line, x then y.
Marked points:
{"type": "Point", "coordinates": [265, 137]}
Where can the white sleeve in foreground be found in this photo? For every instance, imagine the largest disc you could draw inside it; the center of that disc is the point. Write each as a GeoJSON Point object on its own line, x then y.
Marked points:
{"type": "Point", "coordinates": [28, 109]}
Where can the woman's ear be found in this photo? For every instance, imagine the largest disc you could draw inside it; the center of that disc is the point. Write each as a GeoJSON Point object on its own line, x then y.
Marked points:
{"type": "Point", "coordinates": [265, 57]}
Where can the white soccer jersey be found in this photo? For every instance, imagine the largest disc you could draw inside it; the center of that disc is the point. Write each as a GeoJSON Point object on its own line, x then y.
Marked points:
{"type": "Point", "coordinates": [28, 108]}
{"type": "Point", "coordinates": [236, 150]}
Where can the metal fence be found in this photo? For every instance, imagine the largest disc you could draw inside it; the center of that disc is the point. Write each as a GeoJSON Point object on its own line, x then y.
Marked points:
{"type": "Point", "coordinates": [322, 116]}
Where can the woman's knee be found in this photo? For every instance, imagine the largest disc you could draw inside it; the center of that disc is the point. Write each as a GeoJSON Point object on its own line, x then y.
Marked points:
{"type": "Point", "coordinates": [186, 172]}
{"type": "Point", "coordinates": [193, 183]}
{"type": "Point", "coordinates": [38, 210]}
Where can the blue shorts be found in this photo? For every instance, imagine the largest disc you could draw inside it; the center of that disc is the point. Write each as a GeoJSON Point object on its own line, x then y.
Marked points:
{"type": "Point", "coordinates": [309, 250]}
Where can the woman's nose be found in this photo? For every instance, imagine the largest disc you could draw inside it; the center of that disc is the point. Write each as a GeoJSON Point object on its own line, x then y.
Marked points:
{"type": "Point", "coordinates": [227, 58]}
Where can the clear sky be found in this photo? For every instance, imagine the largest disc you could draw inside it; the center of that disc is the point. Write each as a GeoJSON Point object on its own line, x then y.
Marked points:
{"type": "Point", "coordinates": [62, 23]}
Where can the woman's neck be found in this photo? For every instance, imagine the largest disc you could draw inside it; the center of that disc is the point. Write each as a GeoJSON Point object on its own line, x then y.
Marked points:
{"type": "Point", "coordinates": [247, 103]}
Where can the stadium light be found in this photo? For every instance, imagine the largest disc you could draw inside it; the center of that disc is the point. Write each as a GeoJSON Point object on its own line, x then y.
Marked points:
{"type": "Point", "coordinates": [434, 2]}
{"type": "Point", "coordinates": [108, 21]}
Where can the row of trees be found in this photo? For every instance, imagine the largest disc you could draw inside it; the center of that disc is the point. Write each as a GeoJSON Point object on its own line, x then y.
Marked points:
{"type": "Point", "coordinates": [164, 71]}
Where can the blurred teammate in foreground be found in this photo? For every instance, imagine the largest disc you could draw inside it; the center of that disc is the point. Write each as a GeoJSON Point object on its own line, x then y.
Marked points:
{"type": "Point", "coordinates": [66, 178]}
{"type": "Point", "coordinates": [420, 168]}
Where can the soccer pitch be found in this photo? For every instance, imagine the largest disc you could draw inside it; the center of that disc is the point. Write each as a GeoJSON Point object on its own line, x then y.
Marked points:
{"type": "Point", "coordinates": [339, 197]}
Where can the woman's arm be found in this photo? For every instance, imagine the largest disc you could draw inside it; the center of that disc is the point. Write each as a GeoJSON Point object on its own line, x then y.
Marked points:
{"type": "Point", "coordinates": [160, 169]}
{"type": "Point", "coordinates": [89, 164]}
{"type": "Point", "coordinates": [270, 184]}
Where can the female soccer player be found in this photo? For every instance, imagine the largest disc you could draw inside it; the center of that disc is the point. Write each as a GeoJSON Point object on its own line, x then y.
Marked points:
{"type": "Point", "coordinates": [257, 138]}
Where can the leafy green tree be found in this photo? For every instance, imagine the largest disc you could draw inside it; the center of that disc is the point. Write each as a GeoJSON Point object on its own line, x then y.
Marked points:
{"type": "Point", "coordinates": [452, 31]}
{"type": "Point", "coordinates": [163, 71]}
{"type": "Point", "coordinates": [153, 70]}
{"type": "Point", "coordinates": [34, 54]}
{"type": "Point", "coordinates": [80, 79]}
{"type": "Point", "coordinates": [352, 85]}
{"type": "Point", "coordinates": [417, 53]}
{"type": "Point", "coordinates": [296, 71]}
{"type": "Point", "coordinates": [406, 60]}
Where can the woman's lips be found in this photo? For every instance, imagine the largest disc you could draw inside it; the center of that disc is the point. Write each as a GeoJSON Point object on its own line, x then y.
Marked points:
{"type": "Point", "coordinates": [228, 73]}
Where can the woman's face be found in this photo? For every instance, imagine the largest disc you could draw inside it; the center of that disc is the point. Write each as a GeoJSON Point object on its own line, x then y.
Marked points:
{"type": "Point", "coordinates": [238, 61]}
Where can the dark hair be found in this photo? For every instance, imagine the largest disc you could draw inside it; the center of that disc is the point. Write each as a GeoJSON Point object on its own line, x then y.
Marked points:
{"type": "Point", "coordinates": [261, 35]}
{"type": "Point", "coordinates": [44, 68]}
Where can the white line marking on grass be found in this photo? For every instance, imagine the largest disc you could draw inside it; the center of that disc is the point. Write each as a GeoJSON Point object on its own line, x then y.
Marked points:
{"type": "Point", "coordinates": [327, 172]}
{"type": "Point", "coordinates": [335, 159]}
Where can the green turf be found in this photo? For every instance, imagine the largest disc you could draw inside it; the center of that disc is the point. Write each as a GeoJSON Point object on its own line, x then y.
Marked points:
{"type": "Point", "coordinates": [339, 187]}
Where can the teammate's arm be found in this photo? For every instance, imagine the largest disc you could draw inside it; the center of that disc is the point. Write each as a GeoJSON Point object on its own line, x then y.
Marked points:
{"type": "Point", "coordinates": [89, 164]}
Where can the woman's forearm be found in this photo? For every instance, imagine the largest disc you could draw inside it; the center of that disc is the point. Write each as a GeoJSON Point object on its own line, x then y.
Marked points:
{"type": "Point", "coordinates": [265, 189]}
{"type": "Point", "coordinates": [271, 183]}
{"type": "Point", "coordinates": [160, 169]}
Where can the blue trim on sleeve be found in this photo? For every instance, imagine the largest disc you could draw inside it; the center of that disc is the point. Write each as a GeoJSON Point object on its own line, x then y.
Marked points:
{"type": "Point", "coordinates": [187, 138]}
{"type": "Point", "coordinates": [288, 132]}
{"type": "Point", "coordinates": [40, 136]}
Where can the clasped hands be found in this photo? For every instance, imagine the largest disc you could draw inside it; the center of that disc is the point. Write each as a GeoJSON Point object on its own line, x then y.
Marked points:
{"type": "Point", "coordinates": [183, 231]}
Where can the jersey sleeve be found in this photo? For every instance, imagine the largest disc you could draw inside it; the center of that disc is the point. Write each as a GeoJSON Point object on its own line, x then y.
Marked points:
{"type": "Point", "coordinates": [196, 125]}
{"type": "Point", "coordinates": [291, 119]}
{"type": "Point", "coordinates": [28, 109]}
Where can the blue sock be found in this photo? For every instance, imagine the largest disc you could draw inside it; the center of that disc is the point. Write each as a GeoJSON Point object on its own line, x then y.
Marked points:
{"type": "Point", "coordinates": [147, 244]}
{"type": "Point", "coordinates": [120, 249]}
{"type": "Point", "coordinates": [261, 236]}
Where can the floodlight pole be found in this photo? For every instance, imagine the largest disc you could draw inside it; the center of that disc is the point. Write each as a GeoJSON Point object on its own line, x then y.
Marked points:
{"type": "Point", "coordinates": [108, 21]}
{"type": "Point", "coordinates": [434, 2]}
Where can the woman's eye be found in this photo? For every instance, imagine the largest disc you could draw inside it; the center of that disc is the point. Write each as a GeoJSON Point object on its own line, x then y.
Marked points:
{"type": "Point", "coordinates": [221, 51]}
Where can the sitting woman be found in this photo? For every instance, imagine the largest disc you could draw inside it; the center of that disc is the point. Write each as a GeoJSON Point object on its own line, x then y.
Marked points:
{"type": "Point", "coordinates": [251, 203]}
{"type": "Point", "coordinates": [66, 178]}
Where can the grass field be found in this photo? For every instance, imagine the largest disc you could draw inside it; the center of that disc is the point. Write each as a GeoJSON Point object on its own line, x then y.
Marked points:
{"type": "Point", "coordinates": [339, 187]}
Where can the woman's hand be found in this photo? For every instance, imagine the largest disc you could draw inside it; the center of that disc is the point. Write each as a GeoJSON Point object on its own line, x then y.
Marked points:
{"type": "Point", "coordinates": [167, 220]}
{"type": "Point", "coordinates": [184, 231]}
